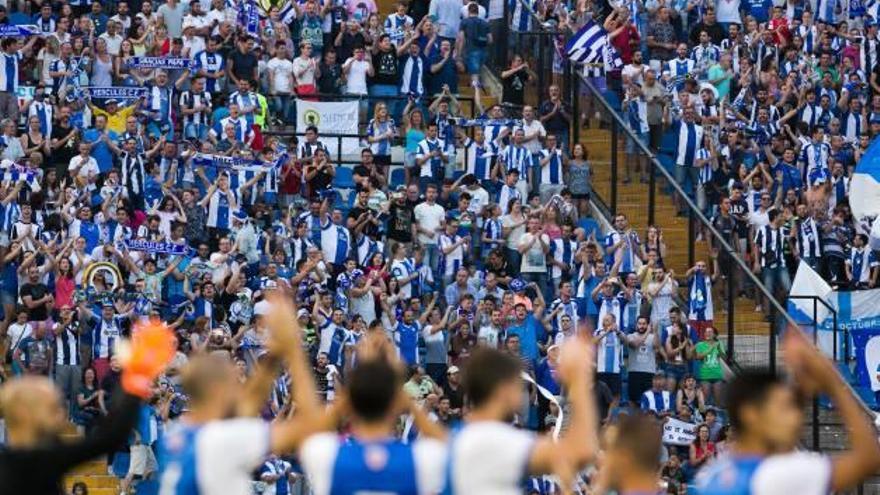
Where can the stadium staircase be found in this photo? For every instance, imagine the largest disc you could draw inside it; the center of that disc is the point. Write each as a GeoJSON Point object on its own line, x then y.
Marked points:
{"type": "Point", "coordinates": [93, 473]}
{"type": "Point", "coordinates": [632, 200]}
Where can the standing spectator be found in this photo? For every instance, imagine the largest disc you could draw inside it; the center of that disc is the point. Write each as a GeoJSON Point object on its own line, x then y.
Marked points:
{"type": "Point", "coordinates": [281, 83]}
{"type": "Point", "coordinates": [555, 117]}
{"type": "Point", "coordinates": [644, 345]}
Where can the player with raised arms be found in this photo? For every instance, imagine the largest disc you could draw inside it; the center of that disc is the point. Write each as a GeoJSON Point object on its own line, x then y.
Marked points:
{"type": "Point", "coordinates": [488, 456]}
{"type": "Point", "coordinates": [207, 454]}
{"type": "Point", "coordinates": [767, 417]}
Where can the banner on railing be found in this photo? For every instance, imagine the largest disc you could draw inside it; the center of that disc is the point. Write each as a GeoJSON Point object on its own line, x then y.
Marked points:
{"type": "Point", "coordinates": [330, 117]}
{"type": "Point", "coordinates": [856, 310]}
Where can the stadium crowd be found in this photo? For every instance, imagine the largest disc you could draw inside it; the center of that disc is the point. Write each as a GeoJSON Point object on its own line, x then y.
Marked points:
{"type": "Point", "coordinates": [149, 174]}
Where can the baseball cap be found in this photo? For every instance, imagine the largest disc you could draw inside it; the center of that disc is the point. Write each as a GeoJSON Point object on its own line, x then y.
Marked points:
{"type": "Point", "coordinates": [262, 308]}
{"type": "Point", "coordinates": [452, 369]}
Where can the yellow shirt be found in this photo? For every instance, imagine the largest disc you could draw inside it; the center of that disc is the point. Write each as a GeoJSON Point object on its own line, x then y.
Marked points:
{"type": "Point", "coordinates": [116, 121]}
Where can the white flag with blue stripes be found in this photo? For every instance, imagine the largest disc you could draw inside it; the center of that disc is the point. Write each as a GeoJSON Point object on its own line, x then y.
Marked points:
{"type": "Point", "coordinates": [588, 44]}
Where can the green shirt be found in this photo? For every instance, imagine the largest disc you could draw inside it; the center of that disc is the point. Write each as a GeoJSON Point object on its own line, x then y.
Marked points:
{"type": "Point", "coordinates": [710, 366]}
{"type": "Point", "coordinates": [723, 87]}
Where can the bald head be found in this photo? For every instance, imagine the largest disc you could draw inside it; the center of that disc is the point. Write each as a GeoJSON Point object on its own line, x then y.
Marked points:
{"type": "Point", "coordinates": [31, 406]}
{"type": "Point", "coordinates": [206, 376]}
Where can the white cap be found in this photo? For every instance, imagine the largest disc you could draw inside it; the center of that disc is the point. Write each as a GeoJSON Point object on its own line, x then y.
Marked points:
{"type": "Point", "coordinates": [262, 308]}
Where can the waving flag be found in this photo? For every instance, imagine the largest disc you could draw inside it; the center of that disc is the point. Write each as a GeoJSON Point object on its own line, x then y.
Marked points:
{"type": "Point", "coordinates": [588, 44]}
{"type": "Point", "coordinates": [864, 194]}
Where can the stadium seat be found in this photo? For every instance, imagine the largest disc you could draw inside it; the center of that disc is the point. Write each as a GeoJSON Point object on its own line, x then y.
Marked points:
{"type": "Point", "coordinates": [19, 19]}
{"type": "Point", "coordinates": [398, 177]}
{"type": "Point", "coordinates": [589, 225]}
{"type": "Point", "coordinates": [612, 99]}
{"type": "Point", "coordinates": [668, 144]}
{"type": "Point", "coordinates": [344, 178]}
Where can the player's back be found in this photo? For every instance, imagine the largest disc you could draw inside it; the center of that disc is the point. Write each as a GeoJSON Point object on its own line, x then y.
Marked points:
{"type": "Point", "coordinates": [338, 466]}
{"type": "Point", "coordinates": [489, 458]}
{"type": "Point", "coordinates": [801, 473]}
{"type": "Point", "coordinates": [216, 458]}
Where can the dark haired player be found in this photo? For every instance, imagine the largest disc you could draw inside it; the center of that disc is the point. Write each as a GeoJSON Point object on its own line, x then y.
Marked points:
{"type": "Point", "coordinates": [488, 455]}
{"type": "Point", "coordinates": [767, 417]}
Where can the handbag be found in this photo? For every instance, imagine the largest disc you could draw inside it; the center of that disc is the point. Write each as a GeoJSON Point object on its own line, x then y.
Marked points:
{"type": "Point", "coordinates": [7, 358]}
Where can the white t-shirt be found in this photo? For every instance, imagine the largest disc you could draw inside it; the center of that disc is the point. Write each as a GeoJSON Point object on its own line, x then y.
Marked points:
{"type": "Point", "coordinates": [727, 11]}
{"type": "Point", "coordinates": [429, 218]}
{"type": "Point", "coordinates": [489, 458]}
{"type": "Point", "coordinates": [86, 166]}
{"type": "Point", "coordinates": [803, 473]}
{"type": "Point", "coordinates": [357, 78]}
{"type": "Point", "coordinates": [318, 458]}
{"type": "Point", "coordinates": [533, 127]}
{"type": "Point", "coordinates": [307, 77]}
{"type": "Point", "coordinates": [227, 452]}
{"type": "Point", "coordinates": [282, 69]}
{"type": "Point", "coordinates": [535, 259]}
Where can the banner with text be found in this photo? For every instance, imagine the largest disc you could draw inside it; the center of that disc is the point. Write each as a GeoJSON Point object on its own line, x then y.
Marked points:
{"type": "Point", "coordinates": [330, 117]}
{"type": "Point", "coordinates": [677, 432]}
{"type": "Point", "coordinates": [115, 92]}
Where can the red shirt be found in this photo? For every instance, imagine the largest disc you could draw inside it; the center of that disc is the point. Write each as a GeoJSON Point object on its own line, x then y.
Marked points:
{"type": "Point", "coordinates": [626, 42]}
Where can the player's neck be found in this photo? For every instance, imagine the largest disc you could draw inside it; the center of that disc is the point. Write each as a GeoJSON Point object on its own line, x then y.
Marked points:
{"type": "Point", "coordinates": [488, 412]}
{"type": "Point", "coordinates": [371, 431]}
{"type": "Point", "coordinates": [204, 414]}
{"type": "Point", "coordinates": [750, 445]}
{"type": "Point", "coordinates": [23, 438]}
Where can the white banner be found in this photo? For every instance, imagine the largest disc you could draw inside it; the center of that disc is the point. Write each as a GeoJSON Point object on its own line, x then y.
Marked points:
{"type": "Point", "coordinates": [330, 117]}
{"type": "Point", "coordinates": [677, 432]}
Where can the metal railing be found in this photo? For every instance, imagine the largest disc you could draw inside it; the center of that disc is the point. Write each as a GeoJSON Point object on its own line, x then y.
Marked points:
{"type": "Point", "coordinates": [632, 201]}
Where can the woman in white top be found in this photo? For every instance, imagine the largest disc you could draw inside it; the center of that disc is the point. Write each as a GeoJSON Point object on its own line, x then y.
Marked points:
{"type": "Point", "coordinates": [513, 226]}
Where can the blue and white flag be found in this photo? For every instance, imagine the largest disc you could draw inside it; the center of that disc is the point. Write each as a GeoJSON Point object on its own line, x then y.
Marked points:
{"type": "Point", "coordinates": [611, 58]}
{"type": "Point", "coordinates": [116, 92]}
{"type": "Point", "coordinates": [287, 14]}
{"type": "Point", "coordinates": [159, 62]}
{"type": "Point", "coordinates": [156, 247]}
{"type": "Point", "coordinates": [587, 45]}
{"type": "Point", "coordinates": [17, 173]}
{"type": "Point", "coordinates": [249, 17]}
{"type": "Point", "coordinates": [864, 196]}
{"type": "Point", "coordinates": [20, 30]}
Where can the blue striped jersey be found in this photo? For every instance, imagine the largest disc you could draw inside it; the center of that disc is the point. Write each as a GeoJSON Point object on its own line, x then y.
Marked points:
{"type": "Point", "coordinates": [395, 26]}
{"type": "Point", "coordinates": [335, 243]}
{"type": "Point", "coordinates": [609, 353]}
{"type": "Point", "coordinates": [245, 100]}
{"type": "Point", "coordinates": [518, 157]}
{"type": "Point", "coordinates": [212, 63]}
{"type": "Point", "coordinates": [480, 158]}
{"type": "Point", "coordinates": [9, 74]}
{"type": "Point", "coordinates": [220, 210]}
{"type": "Point", "coordinates": [690, 136]}
{"type": "Point", "coordinates": [551, 172]}
{"type": "Point", "coordinates": [332, 342]}
{"type": "Point", "coordinates": [451, 262]}
{"type": "Point", "coordinates": [406, 338]}
{"type": "Point", "coordinates": [563, 251]}
{"type": "Point", "coordinates": [377, 128]}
